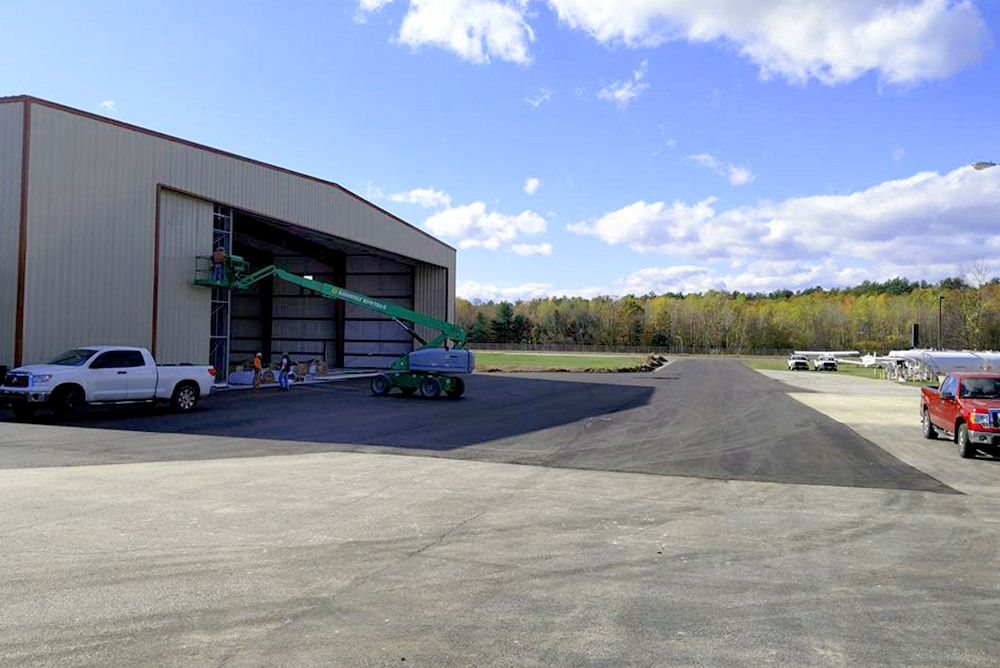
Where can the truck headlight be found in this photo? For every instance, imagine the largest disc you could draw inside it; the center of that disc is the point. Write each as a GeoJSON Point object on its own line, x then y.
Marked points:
{"type": "Point", "coordinates": [981, 419]}
{"type": "Point", "coordinates": [41, 379]}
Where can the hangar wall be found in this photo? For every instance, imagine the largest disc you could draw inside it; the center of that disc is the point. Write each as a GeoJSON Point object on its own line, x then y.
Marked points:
{"type": "Point", "coordinates": [91, 212]}
{"type": "Point", "coordinates": [11, 117]}
{"type": "Point", "coordinates": [434, 292]}
{"type": "Point", "coordinates": [183, 323]}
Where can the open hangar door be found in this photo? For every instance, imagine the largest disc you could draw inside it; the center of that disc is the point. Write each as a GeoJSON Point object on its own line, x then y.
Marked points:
{"type": "Point", "coordinates": [277, 317]}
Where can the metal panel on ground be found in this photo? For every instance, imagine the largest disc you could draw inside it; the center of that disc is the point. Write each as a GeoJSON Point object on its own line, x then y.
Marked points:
{"type": "Point", "coordinates": [11, 117]}
{"type": "Point", "coordinates": [183, 315]}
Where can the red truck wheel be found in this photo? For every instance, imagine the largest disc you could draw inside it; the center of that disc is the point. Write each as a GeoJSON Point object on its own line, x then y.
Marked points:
{"type": "Point", "coordinates": [966, 449]}
{"type": "Point", "coordinates": [925, 421]}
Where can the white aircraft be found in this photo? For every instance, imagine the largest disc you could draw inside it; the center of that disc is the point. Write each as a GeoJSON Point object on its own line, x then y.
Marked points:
{"type": "Point", "coordinates": [921, 364]}
{"type": "Point", "coordinates": [812, 354]}
{"type": "Point", "coordinates": [826, 360]}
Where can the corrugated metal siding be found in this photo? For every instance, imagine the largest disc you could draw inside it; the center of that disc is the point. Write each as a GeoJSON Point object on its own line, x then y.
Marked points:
{"type": "Point", "coordinates": [183, 315]}
{"type": "Point", "coordinates": [11, 117]}
{"type": "Point", "coordinates": [304, 325]}
{"type": "Point", "coordinates": [431, 295]}
{"type": "Point", "coordinates": [371, 340]}
{"type": "Point", "coordinates": [91, 211]}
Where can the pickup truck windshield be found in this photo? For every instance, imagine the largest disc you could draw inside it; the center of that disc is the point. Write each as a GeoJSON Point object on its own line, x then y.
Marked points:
{"type": "Point", "coordinates": [980, 388]}
{"type": "Point", "coordinates": [73, 357]}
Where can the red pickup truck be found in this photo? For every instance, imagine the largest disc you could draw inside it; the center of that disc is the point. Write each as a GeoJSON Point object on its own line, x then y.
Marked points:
{"type": "Point", "coordinates": [966, 407]}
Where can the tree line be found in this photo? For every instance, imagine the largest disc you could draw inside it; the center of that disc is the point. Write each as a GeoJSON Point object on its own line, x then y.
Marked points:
{"type": "Point", "coordinates": [870, 317]}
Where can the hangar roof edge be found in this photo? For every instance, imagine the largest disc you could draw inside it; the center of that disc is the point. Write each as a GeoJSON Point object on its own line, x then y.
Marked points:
{"type": "Point", "coordinates": [193, 144]}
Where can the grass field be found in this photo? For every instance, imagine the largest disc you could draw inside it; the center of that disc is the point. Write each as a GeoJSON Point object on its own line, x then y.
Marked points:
{"type": "Point", "coordinates": [496, 360]}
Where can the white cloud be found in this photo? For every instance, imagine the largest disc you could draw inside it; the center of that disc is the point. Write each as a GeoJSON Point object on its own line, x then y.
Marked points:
{"type": "Point", "coordinates": [366, 7]}
{"type": "Point", "coordinates": [427, 198]}
{"type": "Point", "coordinates": [475, 30]}
{"type": "Point", "coordinates": [652, 226]}
{"type": "Point", "coordinates": [531, 185]}
{"type": "Point", "coordinates": [763, 276]}
{"type": "Point", "coordinates": [108, 105]}
{"type": "Point", "coordinates": [738, 175]}
{"type": "Point", "coordinates": [917, 226]}
{"type": "Point", "coordinates": [475, 291]}
{"type": "Point", "coordinates": [901, 41]}
{"type": "Point", "coordinates": [623, 93]}
{"type": "Point", "coordinates": [475, 227]}
{"type": "Point", "coordinates": [532, 249]}
{"type": "Point", "coordinates": [539, 97]}
{"type": "Point", "coordinates": [680, 278]}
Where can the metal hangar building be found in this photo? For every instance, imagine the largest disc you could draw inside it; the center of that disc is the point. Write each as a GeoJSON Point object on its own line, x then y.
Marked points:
{"type": "Point", "coordinates": [101, 222]}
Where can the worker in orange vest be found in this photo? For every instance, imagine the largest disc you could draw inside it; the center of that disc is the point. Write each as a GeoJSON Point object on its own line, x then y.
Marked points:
{"type": "Point", "coordinates": [256, 371]}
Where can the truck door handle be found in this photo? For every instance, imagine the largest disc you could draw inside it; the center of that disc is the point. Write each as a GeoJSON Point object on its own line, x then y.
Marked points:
{"type": "Point", "coordinates": [122, 373]}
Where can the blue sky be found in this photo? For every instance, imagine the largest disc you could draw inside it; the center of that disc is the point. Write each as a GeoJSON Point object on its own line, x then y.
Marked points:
{"type": "Point", "coordinates": [678, 145]}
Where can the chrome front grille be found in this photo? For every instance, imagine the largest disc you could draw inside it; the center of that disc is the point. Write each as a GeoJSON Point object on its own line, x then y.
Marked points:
{"type": "Point", "coordinates": [16, 380]}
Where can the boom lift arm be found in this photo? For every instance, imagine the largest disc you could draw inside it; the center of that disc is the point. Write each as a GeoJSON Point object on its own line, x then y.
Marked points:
{"type": "Point", "coordinates": [429, 368]}
{"type": "Point", "coordinates": [448, 331]}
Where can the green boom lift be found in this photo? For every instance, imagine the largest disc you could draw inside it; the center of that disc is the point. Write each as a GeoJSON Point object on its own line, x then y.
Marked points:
{"type": "Point", "coordinates": [430, 369]}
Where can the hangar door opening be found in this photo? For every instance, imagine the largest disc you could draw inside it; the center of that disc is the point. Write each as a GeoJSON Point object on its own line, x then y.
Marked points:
{"type": "Point", "coordinates": [275, 317]}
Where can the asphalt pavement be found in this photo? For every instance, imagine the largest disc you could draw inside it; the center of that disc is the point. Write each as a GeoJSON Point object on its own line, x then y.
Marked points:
{"type": "Point", "coordinates": [700, 418]}
{"type": "Point", "coordinates": [193, 549]}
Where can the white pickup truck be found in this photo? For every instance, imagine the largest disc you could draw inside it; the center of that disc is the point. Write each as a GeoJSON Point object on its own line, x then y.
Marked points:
{"type": "Point", "coordinates": [102, 375]}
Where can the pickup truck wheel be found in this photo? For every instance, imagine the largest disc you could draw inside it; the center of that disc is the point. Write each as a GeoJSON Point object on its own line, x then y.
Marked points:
{"type": "Point", "coordinates": [66, 402]}
{"type": "Point", "coordinates": [185, 398]}
{"type": "Point", "coordinates": [23, 411]}
{"type": "Point", "coordinates": [929, 431]}
{"type": "Point", "coordinates": [965, 447]}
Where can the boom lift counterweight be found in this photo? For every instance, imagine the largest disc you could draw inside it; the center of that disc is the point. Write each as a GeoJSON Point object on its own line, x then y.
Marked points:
{"type": "Point", "coordinates": [430, 369]}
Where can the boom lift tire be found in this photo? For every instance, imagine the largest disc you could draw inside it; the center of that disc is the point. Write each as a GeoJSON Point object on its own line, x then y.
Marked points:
{"type": "Point", "coordinates": [430, 388]}
{"type": "Point", "coordinates": [381, 385]}
{"type": "Point", "coordinates": [457, 390]}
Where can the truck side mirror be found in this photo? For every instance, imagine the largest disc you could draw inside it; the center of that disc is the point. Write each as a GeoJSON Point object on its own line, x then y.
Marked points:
{"type": "Point", "coordinates": [947, 395]}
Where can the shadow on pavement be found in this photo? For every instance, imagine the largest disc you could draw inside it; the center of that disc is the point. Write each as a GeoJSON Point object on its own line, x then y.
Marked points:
{"type": "Point", "coordinates": [345, 413]}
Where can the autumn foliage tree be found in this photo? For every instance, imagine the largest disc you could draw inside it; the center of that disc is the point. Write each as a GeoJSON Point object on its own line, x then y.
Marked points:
{"type": "Point", "coordinates": [869, 317]}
